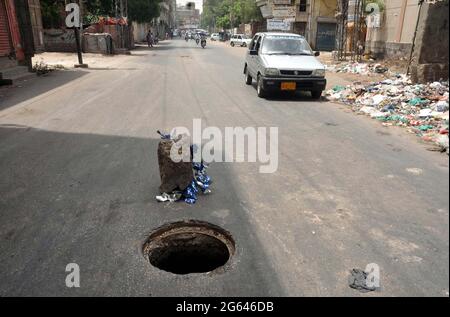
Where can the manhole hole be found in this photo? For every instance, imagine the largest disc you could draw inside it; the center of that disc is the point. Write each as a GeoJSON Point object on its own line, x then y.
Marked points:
{"type": "Point", "coordinates": [189, 247]}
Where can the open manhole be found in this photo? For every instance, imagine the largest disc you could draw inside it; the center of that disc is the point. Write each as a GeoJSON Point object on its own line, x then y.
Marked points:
{"type": "Point", "coordinates": [189, 247]}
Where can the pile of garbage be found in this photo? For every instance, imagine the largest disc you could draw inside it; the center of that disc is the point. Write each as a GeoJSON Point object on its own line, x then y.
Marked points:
{"type": "Point", "coordinates": [358, 68]}
{"type": "Point", "coordinates": [422, 108]}
{"type": "Point", "coordinates": [184, 179]}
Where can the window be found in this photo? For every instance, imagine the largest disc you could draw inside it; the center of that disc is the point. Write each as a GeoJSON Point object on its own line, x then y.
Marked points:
{"type": "Point", "coordinates": [258, 44]}
{"type": "Point", "coordinates": [302, 7]}
{"type": "Point", "coordinates": [252, 44]}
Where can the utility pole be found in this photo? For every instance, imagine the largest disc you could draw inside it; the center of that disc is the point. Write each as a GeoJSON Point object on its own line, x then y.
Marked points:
{"type": "Point", "coordinates": [78, 40]}
{"type": "Point", "coordinates": [408, 69]}
{"type": "Point", "coordinates": [310, 20]}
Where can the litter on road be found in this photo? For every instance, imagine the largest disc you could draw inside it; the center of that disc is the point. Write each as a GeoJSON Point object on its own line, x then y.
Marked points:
{"type": "Point", "coordinates": [358, 68]}
{"type": "Point", "coordinates": [182, 180]}
{"type": "Point", "coordinates": [358, 280]}
{"type": "Point", "coordinates": [422, 108]}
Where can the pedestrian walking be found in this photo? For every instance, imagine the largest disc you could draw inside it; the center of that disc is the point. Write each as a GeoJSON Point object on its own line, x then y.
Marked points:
{"type": "Point", "coordinates": [150, 38]}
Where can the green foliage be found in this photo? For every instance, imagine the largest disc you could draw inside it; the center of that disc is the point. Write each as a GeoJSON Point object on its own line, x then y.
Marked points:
{"type": "Point", "coordinates": [51, 9]}
{"type": "Point", "coordinates": [229, 13]}
{"type": "Point", "coordinates": [138, 10]}
{"type": "Point", "coordinates": [143, 10]}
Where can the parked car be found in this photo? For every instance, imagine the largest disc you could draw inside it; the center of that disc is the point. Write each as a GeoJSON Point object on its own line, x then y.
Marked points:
{"type": "Point", "coordinates": [215, 37]}
{"type": "Point", "coordinates": [240, 40]}
{"type": "Point", "coordinates": [283, 62]}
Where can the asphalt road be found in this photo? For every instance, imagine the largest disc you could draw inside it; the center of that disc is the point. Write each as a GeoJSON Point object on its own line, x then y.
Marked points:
{"type": "Point", "coordinates": [79, 175]}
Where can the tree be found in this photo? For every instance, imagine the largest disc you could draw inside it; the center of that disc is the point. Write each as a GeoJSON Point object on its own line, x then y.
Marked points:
{"type": "Point", "coordinates": [220, 12]}
{"type": "Point", "coordinates": [51, 13]}
{"type": "Point", "coordinates": [143, 10]}
{"type": "Point", "coordinates": [138, 10]}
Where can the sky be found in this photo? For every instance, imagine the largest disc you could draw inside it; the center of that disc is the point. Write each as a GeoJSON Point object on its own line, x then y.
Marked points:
{"type": "Point", "coordinates": [198, 3]}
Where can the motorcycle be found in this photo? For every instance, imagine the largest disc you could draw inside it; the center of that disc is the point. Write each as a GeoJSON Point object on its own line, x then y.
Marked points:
{"type": "Point", "coordinates": [197, 40]}
{"type": "Point", "coordinates": [203, 43]}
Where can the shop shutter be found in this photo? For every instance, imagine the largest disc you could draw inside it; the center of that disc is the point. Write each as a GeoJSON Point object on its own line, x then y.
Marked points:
{"type": "Point", "coordinates": [5, 42]}
{"type": "Point", "coordinates": [326, 36]}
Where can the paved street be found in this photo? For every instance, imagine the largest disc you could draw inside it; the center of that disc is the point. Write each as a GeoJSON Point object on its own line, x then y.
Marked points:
{"type": "Point", "coordinates": [79, 175]}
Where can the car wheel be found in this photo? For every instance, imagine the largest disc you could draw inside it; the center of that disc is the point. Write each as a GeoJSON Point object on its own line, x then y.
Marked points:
{"type": "Point", "coordinates": [248, 78]}
{"type": "Point", "coordinates": [244, 44]}
{"type": "Point", "coordinates": [259, 88]}
{"type": "Point", "coordinates": [232, 44]}
{"type": "Point", "coordinates": [316, 94]}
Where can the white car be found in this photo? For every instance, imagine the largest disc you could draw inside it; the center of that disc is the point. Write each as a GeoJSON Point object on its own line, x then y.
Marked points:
{"type": "Point", "coordinates": [283, 62]}
{"type": "Point", "coordinates": [215, 37]}
{"type": "Point", "coordinates": [240, 40]}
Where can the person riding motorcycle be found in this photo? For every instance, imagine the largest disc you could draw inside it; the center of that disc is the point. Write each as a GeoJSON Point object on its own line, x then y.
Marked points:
{"type": "Point", "coordinates": [203, 40]}
{"type": "Point", "coordinates": [197, 38]}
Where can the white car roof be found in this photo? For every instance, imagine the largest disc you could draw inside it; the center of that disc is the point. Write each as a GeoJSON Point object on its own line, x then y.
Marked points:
{"type": "Point", "coordinates": [280, 33]}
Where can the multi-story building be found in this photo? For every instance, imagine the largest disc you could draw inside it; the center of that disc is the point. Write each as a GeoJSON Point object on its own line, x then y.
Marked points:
{"type": "Point", "coordinates": [187, 16]}
{"type": "Point", "coordinates": [166, 20]}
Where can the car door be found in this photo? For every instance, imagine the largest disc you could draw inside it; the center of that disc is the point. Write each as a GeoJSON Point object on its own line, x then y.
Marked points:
{"type": "Point", "coordinates": [259, 66]}
{"type": "Point", "coordinates": [251, 58]}
{"type": "Point", "coordinates": [239, 40]}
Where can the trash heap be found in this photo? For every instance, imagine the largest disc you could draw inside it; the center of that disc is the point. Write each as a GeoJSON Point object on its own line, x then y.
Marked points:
{"type": "Point", "coordinates": [422, 108]}
{"type": "Point", "coordinates": [366, 69]}
{"type": "Point", "coordinates": [182, 180]}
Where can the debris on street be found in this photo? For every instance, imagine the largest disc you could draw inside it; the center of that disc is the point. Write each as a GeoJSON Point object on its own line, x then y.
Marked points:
{"type": "Point", "coordinates": [174, 175]}
{"type": "Point", "coordinates": [358, 280]}
{"type": "Point", "coordinates": [173, 197]}
{"type": "Point", "coordinates": [422, 108]}
{"type": "Point", "coordinates": [182, 180]}
{"type": "Point", "coordinates": [41, 68]}
{"type": "Point", "coordinates": [366, 69]}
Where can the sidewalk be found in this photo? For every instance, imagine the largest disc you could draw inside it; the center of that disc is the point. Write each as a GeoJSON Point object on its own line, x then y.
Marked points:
{"type": "Point", "coordinates": [68, 60]}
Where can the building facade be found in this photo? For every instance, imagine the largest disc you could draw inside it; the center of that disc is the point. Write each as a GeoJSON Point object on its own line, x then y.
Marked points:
{"type": "Point", "coordinates": [16, 38]}
{"type": "Point", "coordinates": [166, 20]}
{"type": "Point", "coordinates": [393, 35]}
{"type": "Point", "coordinates": [10, 37]}
{"type": "Point", "coordinates": [187, 16]}
{"type": "Point", "coordinates": [36, 24]}
{"type": "Point", "coordinates": [314, 19]}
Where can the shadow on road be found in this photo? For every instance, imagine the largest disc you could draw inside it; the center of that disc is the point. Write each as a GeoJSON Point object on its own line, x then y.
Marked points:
{"type": "Point", "coordinates": [90, 199]}
{"type": "Point", "coordinates": [25, 90]}
{"type": "Point", "coordinates": [290, 96]}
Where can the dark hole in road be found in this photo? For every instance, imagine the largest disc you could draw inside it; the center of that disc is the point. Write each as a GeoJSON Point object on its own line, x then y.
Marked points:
{"type": "Point", "coordinates": [189, 247]}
